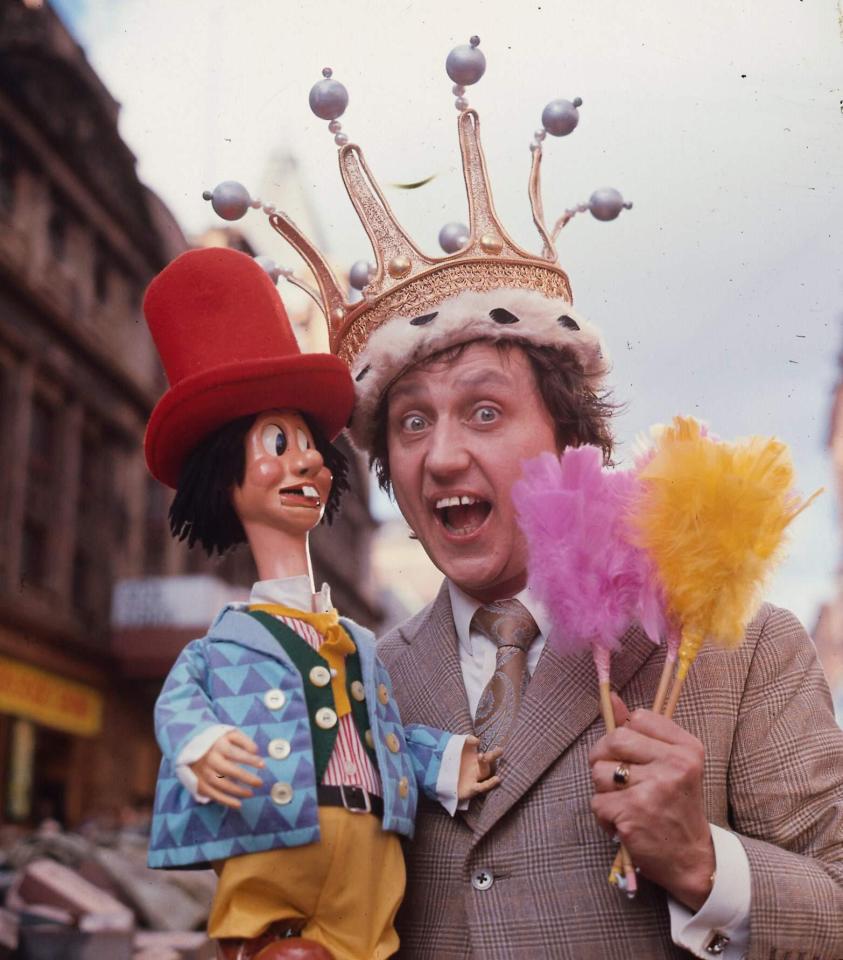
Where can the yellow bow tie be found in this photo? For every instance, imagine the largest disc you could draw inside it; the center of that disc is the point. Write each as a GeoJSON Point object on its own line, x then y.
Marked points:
{"type": "Point", "coordinates": [335, 647]}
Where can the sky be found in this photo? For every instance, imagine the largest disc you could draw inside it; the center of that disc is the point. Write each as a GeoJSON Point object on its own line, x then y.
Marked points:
{"type": "Point", "coordinates": [719, 294]}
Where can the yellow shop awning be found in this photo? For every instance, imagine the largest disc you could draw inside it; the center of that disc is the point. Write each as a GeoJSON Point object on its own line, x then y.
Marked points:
{"type": "Point", "coordinates": [48, 699]}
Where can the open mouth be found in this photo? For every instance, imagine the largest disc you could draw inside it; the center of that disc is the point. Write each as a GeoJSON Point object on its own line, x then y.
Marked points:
{"type": "Point", "coordinates": [462, 515]}
{"type": "Point", "coordinates": [303, 496]}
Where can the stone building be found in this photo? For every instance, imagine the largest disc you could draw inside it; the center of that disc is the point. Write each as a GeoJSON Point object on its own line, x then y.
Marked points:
{"type": "Point", "coordinates": [80, 238]}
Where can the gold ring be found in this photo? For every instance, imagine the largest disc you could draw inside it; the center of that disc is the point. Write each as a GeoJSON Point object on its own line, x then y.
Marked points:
{"type": "Point", "coordinates": [621, 775]}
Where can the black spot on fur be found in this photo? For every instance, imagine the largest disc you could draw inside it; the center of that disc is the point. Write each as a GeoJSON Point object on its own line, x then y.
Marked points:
{"type": "Point", "coordinates": [362, 373]}
{"type": "Point", "coordinates": [568, 322]}
{"type": "Point", "coordinates": [421, 321]}
{"type": "Point", "coordinates": [499, 315]}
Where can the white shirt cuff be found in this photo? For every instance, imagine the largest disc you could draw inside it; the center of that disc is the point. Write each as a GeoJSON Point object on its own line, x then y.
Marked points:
{"type": "Point", "coordinates": [447, 783]}
{"type": "Point", "coordinates": [194, 750]}
{"type": "Point", "coordinates": [721, 926]}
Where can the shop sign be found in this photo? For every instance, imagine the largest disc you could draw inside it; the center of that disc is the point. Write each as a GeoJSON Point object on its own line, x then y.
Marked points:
{"type": "Point", "coordinates": [50, 700]}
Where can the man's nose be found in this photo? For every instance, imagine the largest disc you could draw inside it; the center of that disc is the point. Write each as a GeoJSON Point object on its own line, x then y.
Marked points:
{"type": "Point", "coordinates": [447, 452]}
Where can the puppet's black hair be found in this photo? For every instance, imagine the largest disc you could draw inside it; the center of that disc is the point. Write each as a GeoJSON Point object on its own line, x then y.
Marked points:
{"type": "Point", "coordinates": [201, 510]}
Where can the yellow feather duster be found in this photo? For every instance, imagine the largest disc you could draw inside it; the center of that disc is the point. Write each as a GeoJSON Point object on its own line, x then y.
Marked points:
{"type": "Point", "coordinates": [713, 517]}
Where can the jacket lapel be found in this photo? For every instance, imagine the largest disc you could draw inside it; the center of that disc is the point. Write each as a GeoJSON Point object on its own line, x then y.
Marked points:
{"type": "Point", "coordinates": [432, 686]}
{"type": "Point", "coordinates": [561, 702]}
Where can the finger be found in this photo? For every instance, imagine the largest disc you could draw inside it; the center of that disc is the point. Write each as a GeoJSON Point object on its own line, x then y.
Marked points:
{"type": "Point", "coordinates": [240, 739]}
{"type": "Point", "coordinates": [484, 786]}
{"type": "Point", "coordinates": [628, 745]}
{"type": "Point", "coordinates": [217, 795]}
{"type": "Point", "coordinates": [603, 776]}
{"type": "Point", "coordinates": [620, 710]}
{"type": "Point", "coordinates": [239, 755]}
{"type": "Point", "coordinates": [229, 787]}
{"type": "Point", "coordinates": [472, 741]}
{"type": "Point", "coordinates": [222, 767]}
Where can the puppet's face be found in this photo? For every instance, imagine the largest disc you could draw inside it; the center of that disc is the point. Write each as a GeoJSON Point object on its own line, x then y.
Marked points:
{"type": "Point", "coordinates": [285, 483]}
{"type": "Point", "coordinates": [457, 433]}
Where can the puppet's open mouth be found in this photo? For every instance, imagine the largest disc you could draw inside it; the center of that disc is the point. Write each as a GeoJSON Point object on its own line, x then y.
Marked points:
{"type": "Point", "coordinates": [303, 496]}
{"type": "Point", "coordinates": [462, 515]}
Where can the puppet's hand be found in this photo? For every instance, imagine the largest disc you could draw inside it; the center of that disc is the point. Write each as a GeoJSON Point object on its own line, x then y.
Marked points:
{"type": "Point", "coordinates": [218, 773]}
{"type": "Point", "coordinates": [477, 770]}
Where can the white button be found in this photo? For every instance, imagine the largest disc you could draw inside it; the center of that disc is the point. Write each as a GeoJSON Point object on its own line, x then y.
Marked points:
{"type": "Point", "coordinates": [281, 793]}
{"type": "Point", "coordinates": [358, 691]}
{"type": "Point", "coordinates": [274, 699]}
{"type": "Point", "coordinates": [320, 676]}
{"type": "Point", "coordinates": [333, 672]}
{"type": "Point", "coordinates": [482, 880]}
{"type": "Point", "coordinates": [350, 768]}
{"type": "Point", "coordinates": [325, 718]}
{"type": "Point", "coordinates": [278, 749]}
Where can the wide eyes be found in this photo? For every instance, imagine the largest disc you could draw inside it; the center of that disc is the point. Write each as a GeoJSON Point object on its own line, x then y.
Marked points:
{"type": "Point", "coordinates": [485, 415]}
{"type": "Point", "coordinates": [274, 440]}
{"type": "Point", "coordinates": [413, 423]}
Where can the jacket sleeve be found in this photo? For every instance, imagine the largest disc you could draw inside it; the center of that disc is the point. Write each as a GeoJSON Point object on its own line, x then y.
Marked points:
{"type": "Point", "coordinates": [786, 798]}
{"type": "Point", "coordinates": [184, 708]}
{"type": "Point", "coordinates": [426, 746]}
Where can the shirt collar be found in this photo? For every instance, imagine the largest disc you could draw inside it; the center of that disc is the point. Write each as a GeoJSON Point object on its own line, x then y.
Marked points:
{"type": "Point", "coordinates": [464, 607]}
{"type": "Point", "coordinates": [296, 592]}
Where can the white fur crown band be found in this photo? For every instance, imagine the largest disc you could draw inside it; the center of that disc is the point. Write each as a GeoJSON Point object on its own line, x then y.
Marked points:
{"type": "Point", "coordinates": [503, 314]}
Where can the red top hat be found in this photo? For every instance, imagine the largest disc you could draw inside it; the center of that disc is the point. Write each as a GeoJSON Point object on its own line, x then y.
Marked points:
{"type": "Point", "coordinates": [228, 351]}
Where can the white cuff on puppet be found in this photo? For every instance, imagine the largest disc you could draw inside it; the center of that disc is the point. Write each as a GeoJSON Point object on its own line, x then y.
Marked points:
{"type": "Point", "coordinates": [721, 926]}
{"type": "Point", "coordinates": [447, 783]}
{"type": "Point", "coordinates": [194, 750]}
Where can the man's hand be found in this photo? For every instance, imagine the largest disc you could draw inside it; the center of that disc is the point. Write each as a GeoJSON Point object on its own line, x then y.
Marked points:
{"type": "Point", "coordinates": [659, 815]}
{"type": "Point", "coordinates": [477, 770]}
{"type": "Point", "coordinates": [218, 774]}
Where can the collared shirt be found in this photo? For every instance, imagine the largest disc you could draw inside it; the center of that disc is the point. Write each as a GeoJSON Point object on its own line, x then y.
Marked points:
{"type": "Point", "coordinates": [726, 911]}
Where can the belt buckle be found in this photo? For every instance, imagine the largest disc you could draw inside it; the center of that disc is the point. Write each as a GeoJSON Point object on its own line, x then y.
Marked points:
{"type": "Point", "coordinates": [350, 794]}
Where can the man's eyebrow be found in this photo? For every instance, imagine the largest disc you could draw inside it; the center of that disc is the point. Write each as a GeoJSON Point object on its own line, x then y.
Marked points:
{"type": "Point", "coordinates": [483, 378]}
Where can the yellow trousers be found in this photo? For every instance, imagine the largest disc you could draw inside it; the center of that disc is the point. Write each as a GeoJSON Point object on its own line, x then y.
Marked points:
{"type": "Point", "coordinates": [347, 888]}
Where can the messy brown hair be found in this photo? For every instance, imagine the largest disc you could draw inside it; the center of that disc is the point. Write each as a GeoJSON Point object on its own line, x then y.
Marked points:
{"type": "Point", "coordinates": [581, 413]}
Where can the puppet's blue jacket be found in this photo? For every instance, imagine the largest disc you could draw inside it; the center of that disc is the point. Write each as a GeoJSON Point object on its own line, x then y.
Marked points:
{"type": "Point", "coordinates": [233, 675]}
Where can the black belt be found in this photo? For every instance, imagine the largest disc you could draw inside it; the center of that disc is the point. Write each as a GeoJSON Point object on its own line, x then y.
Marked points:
{"type": "Point", "coordinates": [355, 799]}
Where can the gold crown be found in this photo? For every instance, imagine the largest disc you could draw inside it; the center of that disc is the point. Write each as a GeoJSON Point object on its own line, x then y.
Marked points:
{"type": "Point", "coordinates": [405, 281]}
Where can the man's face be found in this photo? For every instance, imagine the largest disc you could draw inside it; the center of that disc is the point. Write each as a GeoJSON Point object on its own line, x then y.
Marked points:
{"type": "Point", "coordinates": [285, 482]}
{"type": "Point", "coordinates": [457, 434]}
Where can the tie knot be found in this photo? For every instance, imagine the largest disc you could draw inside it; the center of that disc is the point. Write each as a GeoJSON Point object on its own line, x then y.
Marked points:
{"type": "Point", "coordinates": [507, 623]}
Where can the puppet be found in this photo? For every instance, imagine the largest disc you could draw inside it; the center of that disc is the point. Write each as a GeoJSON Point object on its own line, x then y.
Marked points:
{"type": "Point", "coordinates": [285, 765]}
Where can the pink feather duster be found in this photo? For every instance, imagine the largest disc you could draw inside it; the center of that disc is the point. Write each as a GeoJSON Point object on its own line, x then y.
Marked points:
{"type": "Point", "coordinates": [582, 564]}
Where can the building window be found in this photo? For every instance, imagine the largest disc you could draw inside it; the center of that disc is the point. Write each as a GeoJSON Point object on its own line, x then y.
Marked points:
{"type": "Point", "coordinates": [92, 579]}
{"type": "Point", "coordinates": [42, 471]}
{"type": "Point", "coordinates": [57, 229]}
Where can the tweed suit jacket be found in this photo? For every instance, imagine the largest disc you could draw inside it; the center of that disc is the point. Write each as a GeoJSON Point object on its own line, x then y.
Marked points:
{"type": "Point", "coordinates": [239, 674]}
{"type": "Point", "coordinates": [773, 774]}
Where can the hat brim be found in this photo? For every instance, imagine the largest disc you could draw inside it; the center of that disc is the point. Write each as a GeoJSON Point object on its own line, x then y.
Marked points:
{"type": "Point", "coordinates": [316, 384]}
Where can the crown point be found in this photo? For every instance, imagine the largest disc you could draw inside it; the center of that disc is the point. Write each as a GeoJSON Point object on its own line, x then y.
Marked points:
{"type": "Point", "coordinates": [328, 99]}
{"type": "Point", "coordinates": [453, 236]}
{"type": "Point", "coordinates": [230, 200]}
{"type": "Point", "coordinates": [327, 73]}
{"type": "Point", "coordinates": [360, 274]}
{"type": "Point", "coordinates": [207, 195]}
{"type": "Point", "coordinates": [461, 104]}
{"type": "Point", "coordinates": [465, 65]}
{"type": "Point", "coordinates": [560, 117]}
{"type": "Point", "coordinates": [491, 244]}
{"type": "Point", "coordinates": [605, 204]}
{"type": "Point", "coordinates": [341, 139]}
{"type": "Point", "coordinates": [475, 41]}
{"type": "Point", "coordinates": [577, 101]}
{"type": "Point", "coordinates": [399, 267]}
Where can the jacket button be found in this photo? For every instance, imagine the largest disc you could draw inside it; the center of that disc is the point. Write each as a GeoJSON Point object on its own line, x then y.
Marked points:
{"type": "Point", "coordinates": [383, 694]}
{"type": "Point", "coordinates": [274, 699]}
{"type": "Point", "coordinates": [403, 787]}
{"type": "Point", "coordinates": [370, 740]}
{"type": "Point", "coordinates": [393, 742]}
{"type": "Point", "coordinates": [281, 793]}
{"type": "Point", "coordinates": [320, 676]}
{"type": "Point", "coordinates": [358, 691]}
{"type": "Point", "coordinates": [278, 749]}
{"type": "Point", "coordinates": [482, 880]}
{"type": "Point", "coordinates": [325, 718]}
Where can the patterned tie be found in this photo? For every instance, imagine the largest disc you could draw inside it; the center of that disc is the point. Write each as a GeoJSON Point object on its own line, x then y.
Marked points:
{"type": "Point", "coordinates": [508, 624]}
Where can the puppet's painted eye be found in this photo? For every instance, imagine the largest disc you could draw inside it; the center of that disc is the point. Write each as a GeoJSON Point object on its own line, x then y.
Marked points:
{"type": "Point", "coordinates": [303, 439]}
{"type": "Point", "coordinates": [274, 440]}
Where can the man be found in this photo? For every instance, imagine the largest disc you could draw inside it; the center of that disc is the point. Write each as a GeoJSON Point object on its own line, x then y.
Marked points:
{"type": "Point", "coordinates": [734, 813]}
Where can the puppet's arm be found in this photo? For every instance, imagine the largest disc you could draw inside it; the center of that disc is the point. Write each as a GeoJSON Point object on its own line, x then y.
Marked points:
{"type": "Point", "coordinates": [449, 767]}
